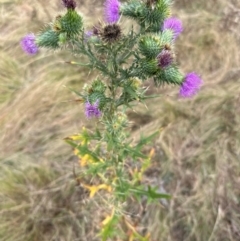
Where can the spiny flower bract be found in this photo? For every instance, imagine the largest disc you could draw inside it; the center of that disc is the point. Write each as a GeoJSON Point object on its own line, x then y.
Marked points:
{"type": "Point", "coordinates": [92, 110]}
{"type": "Point", "coordinates": [29, 45]}
{"type": "Point", "coordinates": [112, 11]}
{"type": "Point", "coordinates": [191, 85]}
{"type": "Point", "coordinates": [174, 24]}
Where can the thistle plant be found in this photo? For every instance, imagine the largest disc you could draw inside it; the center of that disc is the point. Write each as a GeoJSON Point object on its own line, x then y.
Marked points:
{"type": "Point", "coordinates": [111, 163]}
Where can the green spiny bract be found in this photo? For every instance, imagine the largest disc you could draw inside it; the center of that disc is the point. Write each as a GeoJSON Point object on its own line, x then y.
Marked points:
{"type": "Point", "coordinates": [134, 9]}
{"type": "Point", "coordinates": [149, 46]}
{"type": "Point", "coordinates": [97, 96]}
{"type": "Point", "coordinates": [62, 38]}
{"type": "Point", "coordinates": [149, 67]}
{"type": "Point", "coordinates": [149, 16]}
{"type": "Point", "coordinates": [170, 75]}
{"type": "Point", "coordinates": [98, 86]}
{"type": "Point", "coordinates": [63, 28]}
{"type": "Point", "coordinates": [166, 37]}
{"type": "Point", "coordinates": [154, 19]}
{"type": "Point", "coordinates": [48, 39]}
{"type": "Point", "coordinates": [71, 23]}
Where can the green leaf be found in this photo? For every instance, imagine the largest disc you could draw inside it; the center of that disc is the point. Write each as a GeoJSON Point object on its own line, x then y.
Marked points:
{"type": "Point", "coordinates": [151, 192]}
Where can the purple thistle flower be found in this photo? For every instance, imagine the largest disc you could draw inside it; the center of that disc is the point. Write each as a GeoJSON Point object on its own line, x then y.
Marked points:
{"type": "Point", "coordinates": [112, 11]}
{"type": "Point", "coordinates": [69, 4]}
{"type": "Point", "coordinates": [164, 58]}
{"type": "Point", "coordinates": [28, 44]}
{"type": "Point", "coordinates": [190, 85]}
{"type": "Point", "coordinates": [91, 110]}
{"type": "Point", "coordinates": [173, 24]}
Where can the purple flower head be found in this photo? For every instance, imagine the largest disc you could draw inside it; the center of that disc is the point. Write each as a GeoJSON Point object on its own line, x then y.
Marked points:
{"type": "Point", "coordinates": [28, 44]}
{"type": "Point", "coordinates": [91, 110]}
{"type": "Point", "coordinates": [69, 4]}
{"type": "Point", "coordinates": [190, 85]}
{"type": "Point", "coordinates": [173, 24]}
{"type": "Point", "coordinates": [164, 58]}
{"type": "Point", "coordinates": [112, 11]}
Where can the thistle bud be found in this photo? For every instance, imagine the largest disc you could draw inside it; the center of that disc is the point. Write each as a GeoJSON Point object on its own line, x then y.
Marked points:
{"type": "Point", "coordinates": [149, 46]}
{"type": "Point", "coordinates": [149, 67]}
{"type": "Point", "coordinates": [98, 86]}
{"type": "Point", "coordinates": [71, 23]}
{"type": "Point", "coordinates": [133, 9]}
{"type": "Point", "coordinates": [170, 75]}
{"type": "Point", "coordinates": [97, 96]}
{"type": "Point", "coordinates": [48, 39]}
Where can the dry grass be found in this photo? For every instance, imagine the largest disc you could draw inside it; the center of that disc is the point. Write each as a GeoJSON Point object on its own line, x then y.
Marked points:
{"type": "Point", "coordinates": [197, 153]}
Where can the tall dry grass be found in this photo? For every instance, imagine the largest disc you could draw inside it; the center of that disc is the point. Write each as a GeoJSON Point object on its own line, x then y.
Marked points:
{"type": "Point", "coordinates": [197, 154]}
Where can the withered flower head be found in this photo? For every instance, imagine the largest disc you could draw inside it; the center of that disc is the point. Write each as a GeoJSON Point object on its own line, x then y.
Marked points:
{"type": "Point", "coordinates": [111, 33]}
{"type": "Point", "coordinates": [69, 4]}
{"type": "Point", "coordinates": [165, 58]}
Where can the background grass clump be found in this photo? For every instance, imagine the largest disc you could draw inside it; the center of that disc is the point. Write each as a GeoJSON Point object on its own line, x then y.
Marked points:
{"type": "Point", "coordinates": [197, 155]}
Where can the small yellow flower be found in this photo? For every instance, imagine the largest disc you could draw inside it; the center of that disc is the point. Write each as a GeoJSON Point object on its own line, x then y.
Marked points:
{"type": "Point", "coordinates": [95, 188]}
{"type": "Point", "coordinates": [86, 159]}
{"type": "Point", "coordinates": [79, 137]}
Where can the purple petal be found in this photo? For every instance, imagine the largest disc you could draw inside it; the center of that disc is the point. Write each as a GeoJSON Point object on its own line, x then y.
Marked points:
{"type": "Point", "coordinates": [191, 85]}
{"type": "Point", "coordinates": [91, 110]}
{"type": "Point", "coordinates": [173, 24]}
{"type": "Point", "coordinates": [112, 11]}
{"type": "Point", "coordinates": [28, 44]}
